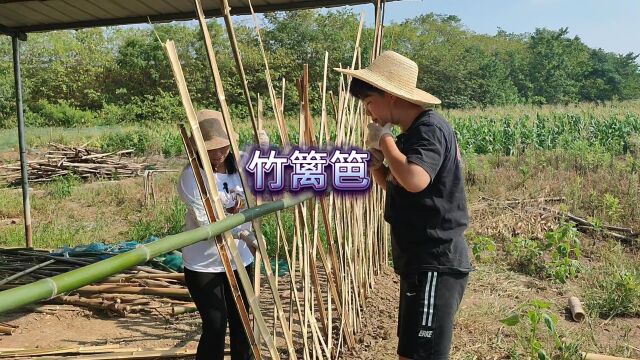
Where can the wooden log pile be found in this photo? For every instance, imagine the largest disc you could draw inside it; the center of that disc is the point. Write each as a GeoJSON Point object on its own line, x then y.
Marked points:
{"type": "Point", "coordinates": [62, 160]}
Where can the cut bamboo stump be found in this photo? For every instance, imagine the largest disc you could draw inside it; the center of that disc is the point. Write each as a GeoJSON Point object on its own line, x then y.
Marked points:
{"type": "Point", "coordinates": [577, 312]}
{"type": "Point", "coordinates": [179, 310]}
{"type": "Point", "coordinates": [589, 356]}
{"type": "Point", "coordinates": [8, 330]}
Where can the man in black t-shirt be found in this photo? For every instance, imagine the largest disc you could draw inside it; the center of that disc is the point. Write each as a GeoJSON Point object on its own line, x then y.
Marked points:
{"type": "Point", "coordinates": [425, 204]}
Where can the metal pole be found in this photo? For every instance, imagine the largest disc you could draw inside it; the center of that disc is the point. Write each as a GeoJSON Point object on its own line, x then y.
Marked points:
{"type": "Point", "coordinates": [21, 141]}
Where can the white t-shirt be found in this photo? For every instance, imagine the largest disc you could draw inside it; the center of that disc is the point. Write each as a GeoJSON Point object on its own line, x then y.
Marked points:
{"type": "Point", "coordinates": [203, 256]}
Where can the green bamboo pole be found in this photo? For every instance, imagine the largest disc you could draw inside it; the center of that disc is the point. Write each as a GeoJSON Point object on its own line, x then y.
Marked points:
{"type": "Point", "coordinates": [49, 287]}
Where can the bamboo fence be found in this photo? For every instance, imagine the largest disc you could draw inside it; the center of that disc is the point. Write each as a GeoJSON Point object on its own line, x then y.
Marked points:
{"type": "Point", "coordinates": [336, 248]}
{"type": "Point", "coordinates": [330, 276]}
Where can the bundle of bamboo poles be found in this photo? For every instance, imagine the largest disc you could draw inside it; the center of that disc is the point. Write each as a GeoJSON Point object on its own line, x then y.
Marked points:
{"type": "Point", "coordinates": [142, 289]}
{"type": "Point", "coordinates": [62, 160]}
{"type": "Point", "coordinates": [330, 275]}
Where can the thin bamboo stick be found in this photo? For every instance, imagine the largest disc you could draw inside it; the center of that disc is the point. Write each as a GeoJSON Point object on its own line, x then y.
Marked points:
{"type": "Point", "coordinates": [591, 356]}
{"type": "Point", "coordinates": [224, 5]}
{"type": "Point", "coordinates": [168, 276]}
{"type": "Point", "coordinates": [142, 354]}
{"type": "Point", "coordinates": [26, 272]}
{"type": "Point", "coordinates": [243, 79]}
{"type": "Point", "coordinates": [308, 133]}
{"type": "Point", "coordinates": [277, 110]}
{"type": "Point", "coordinates": [219, 210]}
{"type": "Point", "coordinates": [206, 200]}
{"type": "Point", "coordinates": [242, 273]}
{"type": "Point", "coordinates": [19, 352]}
{"type": "Point", "coordinates": [251, 202]}
{"type": "Point", "coordinates": [172, 293]}
{"type": "Point", "coordinates": [333, 279]}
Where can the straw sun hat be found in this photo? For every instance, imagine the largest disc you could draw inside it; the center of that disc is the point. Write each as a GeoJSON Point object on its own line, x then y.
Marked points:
{"type": "Point", "coordinates": [395, 74]}
{"type": "Point", "coordinates": [213, 131]}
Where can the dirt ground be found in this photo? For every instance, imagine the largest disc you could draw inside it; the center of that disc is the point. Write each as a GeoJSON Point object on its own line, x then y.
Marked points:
{"type": "Point", "coordinates": [492, 292]}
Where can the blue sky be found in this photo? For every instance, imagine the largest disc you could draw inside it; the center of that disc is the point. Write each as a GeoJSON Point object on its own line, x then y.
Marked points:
{"type": "Point", "coordinates": [613, 25]}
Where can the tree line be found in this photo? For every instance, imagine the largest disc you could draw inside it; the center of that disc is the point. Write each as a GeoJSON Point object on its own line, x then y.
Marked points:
{"type": "Point", "coordinates": [120, 74]}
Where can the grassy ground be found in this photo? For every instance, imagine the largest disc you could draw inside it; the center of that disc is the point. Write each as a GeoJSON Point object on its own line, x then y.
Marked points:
{"type": "Point", "coordinates": [522, 257]}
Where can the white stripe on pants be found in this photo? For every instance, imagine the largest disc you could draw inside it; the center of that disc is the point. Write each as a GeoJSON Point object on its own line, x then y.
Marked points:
{"type": "Point", "coordinates": [429, 298]}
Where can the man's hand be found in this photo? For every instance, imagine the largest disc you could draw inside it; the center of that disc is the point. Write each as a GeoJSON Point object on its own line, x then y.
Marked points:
{"type": "Point", "coordinates": [377, 159]}
{"type": "Point", "coordinates": [263, 139]}
{"type": "Point", "coordinates": [377, 132]}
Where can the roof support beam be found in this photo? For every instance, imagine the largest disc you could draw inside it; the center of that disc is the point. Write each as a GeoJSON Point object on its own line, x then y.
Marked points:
{"type": "Point", "coordinates": [13, 33]}
{"type": "Point", "coordinates": [190, 15]}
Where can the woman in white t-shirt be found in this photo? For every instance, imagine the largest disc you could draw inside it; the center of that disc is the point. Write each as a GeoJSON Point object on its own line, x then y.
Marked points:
{"type": "Point", "coordinates": [203, 269]}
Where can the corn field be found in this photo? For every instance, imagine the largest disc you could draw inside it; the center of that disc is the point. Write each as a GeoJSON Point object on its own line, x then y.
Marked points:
{"type": "Point", "coordinates": [615, 129]}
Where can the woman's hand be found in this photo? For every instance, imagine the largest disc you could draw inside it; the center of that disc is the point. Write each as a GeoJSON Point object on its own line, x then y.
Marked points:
{"type": "Point", "coordinates": [250, 239]}
{"type": "Point", "coordinates": [238, 206]}
{"type": "Point", "coordinates": [263, 139]}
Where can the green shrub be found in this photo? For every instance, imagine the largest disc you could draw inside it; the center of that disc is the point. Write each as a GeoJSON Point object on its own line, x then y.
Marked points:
{"type": "Point", "coordinates": [59, 114]}
{"type": "Point", "coordinates": [565, 250]}
{"type": "Point", "coordinates": [555, 258]}
{"type": "Point", "coordinates": [137, 140]}
{"type": "Point", "coordinates": [163, 108]}
{"type": "Point", "coordinates": [61, 187]}
{"type": "Point", "coordinates": [165, 219]}
{"type": "Point", "coordinates": [112, 114]}
{"type": "Point", "coordinates": [481, 245]}
{"type": "Point", "coordinates": [547, 344]}
{"type": "Point", "coordinates": [525, 255]}
{"type": "Point", "coordinates": [614, 291]}
{"type": "Point", "coordinates": [171, 143]}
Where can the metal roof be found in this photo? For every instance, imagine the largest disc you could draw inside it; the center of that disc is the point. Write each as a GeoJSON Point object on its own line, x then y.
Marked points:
{"type": "Point", "coordinates": [24, 16]}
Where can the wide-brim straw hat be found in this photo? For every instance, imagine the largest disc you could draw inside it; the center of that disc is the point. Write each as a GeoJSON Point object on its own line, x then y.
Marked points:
{"type": "Point", "coordinates": [212, 128]}
{"type": "Point", "coordinates": [395, 74]}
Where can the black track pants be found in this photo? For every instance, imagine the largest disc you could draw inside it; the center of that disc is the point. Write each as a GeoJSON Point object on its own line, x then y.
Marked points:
{"type": "Point", "coordinates": [213, 297]}
{"type": "Point", "coordinates": [428, 304]}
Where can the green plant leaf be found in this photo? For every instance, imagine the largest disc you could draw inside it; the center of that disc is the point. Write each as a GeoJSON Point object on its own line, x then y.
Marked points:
{"type": "Point", "coordinates": [540, 304]}
{"type": "Point", "coordinates": [512, 320]}
{"type": "Point", "coordinates": [550, 323]}
{"type": "Point", "coordinates": [543, 355]}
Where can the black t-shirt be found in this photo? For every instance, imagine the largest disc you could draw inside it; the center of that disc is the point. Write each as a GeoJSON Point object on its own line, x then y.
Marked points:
{"type": "Point", "coordinates": [427, 228]}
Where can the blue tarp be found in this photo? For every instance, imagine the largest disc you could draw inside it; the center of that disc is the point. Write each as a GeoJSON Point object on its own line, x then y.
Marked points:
{"type": "Point", "coordinates": [171, 260]}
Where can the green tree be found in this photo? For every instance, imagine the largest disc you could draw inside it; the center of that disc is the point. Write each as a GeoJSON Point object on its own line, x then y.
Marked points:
{"type": "Point", "coordinates": [7, 97]}
{"type": "Point", "coordinates": [66, 65]}
{"type": "Point", "coordinates": [557, 65]}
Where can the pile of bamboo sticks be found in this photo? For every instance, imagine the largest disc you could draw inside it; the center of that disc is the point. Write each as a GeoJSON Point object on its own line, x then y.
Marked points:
{"type": "Point", "coordinates": [62, 160]}
{"type": "Point", "coordinates": [142, 289]}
